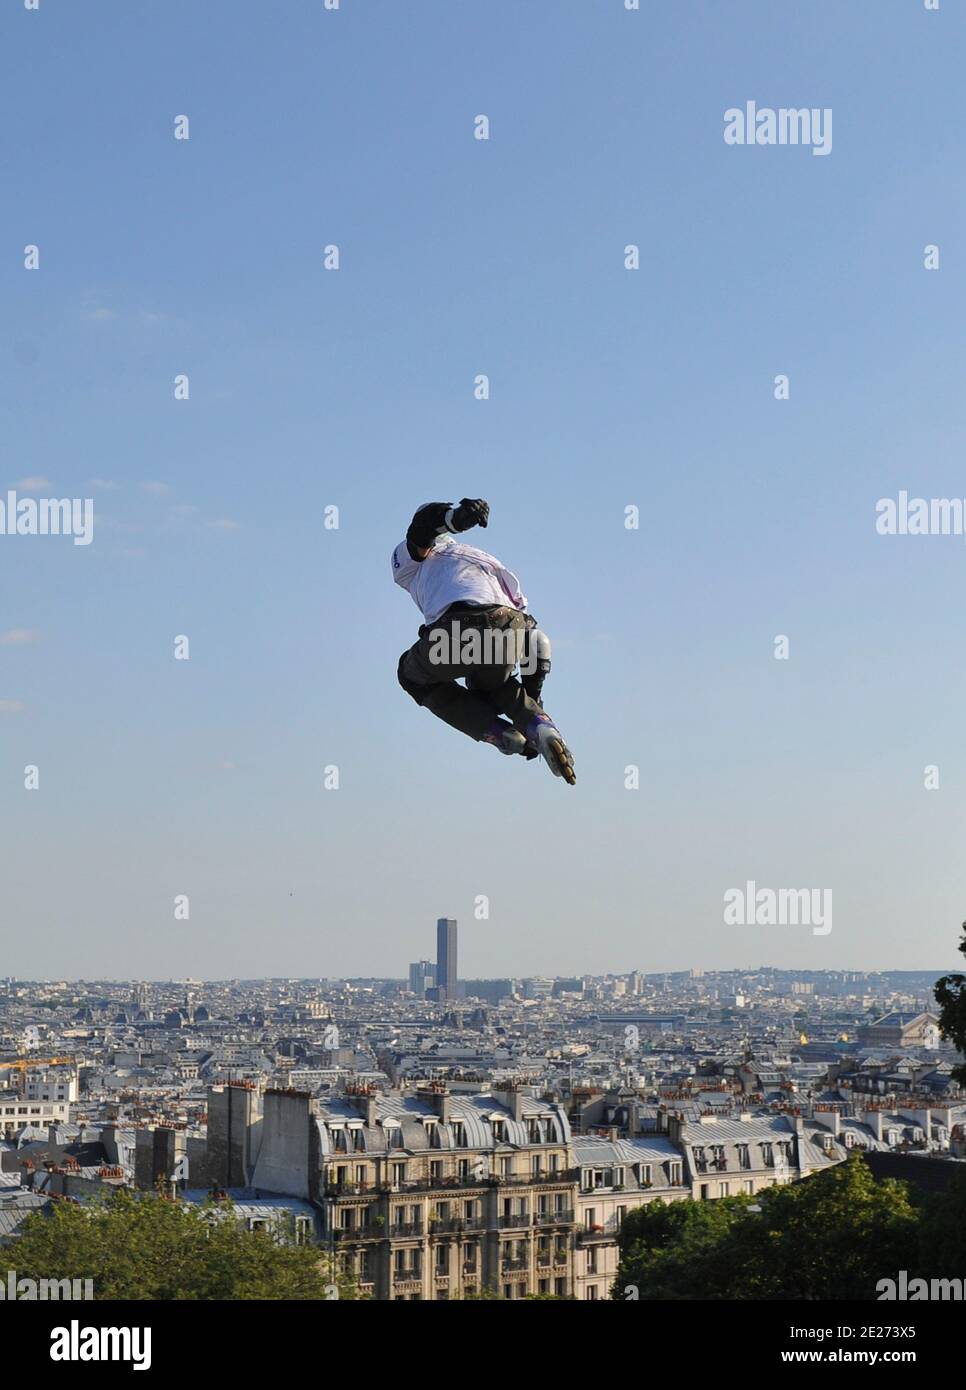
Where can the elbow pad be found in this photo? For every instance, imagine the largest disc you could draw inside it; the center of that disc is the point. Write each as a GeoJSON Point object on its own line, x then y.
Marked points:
{"type": "Point", "coordinates": [430, 520]}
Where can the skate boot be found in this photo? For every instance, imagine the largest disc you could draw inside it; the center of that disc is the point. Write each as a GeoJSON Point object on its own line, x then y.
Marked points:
{"type": "Point", "coordinates": [505, 737]}
{"type": "Point", "coordinates": [546, 738]}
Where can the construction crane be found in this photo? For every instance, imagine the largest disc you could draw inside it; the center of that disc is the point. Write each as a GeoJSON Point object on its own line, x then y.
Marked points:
{"type": "Point", "coordinates": [25, 1064]}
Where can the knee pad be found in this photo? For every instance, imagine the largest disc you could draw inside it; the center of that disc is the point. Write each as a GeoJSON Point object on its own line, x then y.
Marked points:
{"type": "Point", "coordinates": [536, 654]}
{"type": "Point", "coordinates": [535, 665]}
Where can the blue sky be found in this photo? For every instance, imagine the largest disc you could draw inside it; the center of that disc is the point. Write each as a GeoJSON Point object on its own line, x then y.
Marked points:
{"type": "Point", "coordinates": [609, 388]}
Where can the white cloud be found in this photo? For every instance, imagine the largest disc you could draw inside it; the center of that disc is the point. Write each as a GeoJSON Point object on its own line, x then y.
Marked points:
{"type": "Point", "coordinates": [12, 706]}
{"type": "Point", "coordinates": [18, 637]}
{"type": "Point", "coordinates": [38, 484]}
{"type": "Point", "coordinates": [224, 525]}
{"type": "Point", "coordinates": [156, 489]}
{"type": "Point", "coordinates": [102, 484]}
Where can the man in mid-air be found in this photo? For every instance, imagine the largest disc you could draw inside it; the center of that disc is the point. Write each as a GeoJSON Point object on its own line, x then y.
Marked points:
{"type": "Point", "coordinates": [476, 628]}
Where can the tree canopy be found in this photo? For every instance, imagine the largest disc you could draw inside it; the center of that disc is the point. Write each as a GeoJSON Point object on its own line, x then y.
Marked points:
{"type": "Point", "coordinates": [832, 1236]}
{"type": "Point", "coordinates": [142, 1246]}
{"type": "Point", "coordinates": [950, 995]}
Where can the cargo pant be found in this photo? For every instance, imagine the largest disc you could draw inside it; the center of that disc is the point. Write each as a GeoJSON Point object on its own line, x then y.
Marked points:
{"type": "Point", "coordinates": [491, 687]}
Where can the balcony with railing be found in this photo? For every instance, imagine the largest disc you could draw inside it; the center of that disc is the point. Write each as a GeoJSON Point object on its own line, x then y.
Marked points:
{"type": "Point", "coordinates": [347, 1233]}
{"type": "Point", "coordinates": [407, 1283]}
{"type": "Point", "coordinates": [563, 1176]}
{"type": "Point", "coordinates": [562, 1216]}
{"type": "Point", "coordinates": [516, 1221]}
{"type": "Point", "coordinates": [595, 1235]}
{"type": "Point", "coordinates": [401, 1229]}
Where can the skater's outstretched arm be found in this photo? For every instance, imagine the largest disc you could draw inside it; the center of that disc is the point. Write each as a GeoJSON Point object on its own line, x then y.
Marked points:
{"type": "Point", "coordinates": [435, 517]}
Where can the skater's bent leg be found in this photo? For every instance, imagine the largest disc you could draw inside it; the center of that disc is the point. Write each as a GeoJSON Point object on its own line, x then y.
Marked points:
{"type": "Point", "coordinates": [466, 710]}
{"type": "Point", "coordinates": [505, 694]}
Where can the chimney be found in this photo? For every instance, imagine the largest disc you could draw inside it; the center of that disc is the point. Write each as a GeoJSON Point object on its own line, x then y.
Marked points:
{"type": "Point", "coordinates": [287, 1157]}
{"type": "Point", "coordinates": [436, 1094]}
{"type": "Point", "coordinates": [873, 1118]}
{"type": "Point", "coordinates": [363, 1099]}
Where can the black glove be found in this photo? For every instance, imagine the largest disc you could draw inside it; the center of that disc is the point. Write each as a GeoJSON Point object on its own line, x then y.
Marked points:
{"type": "Point", "coordinates": [472, 511]}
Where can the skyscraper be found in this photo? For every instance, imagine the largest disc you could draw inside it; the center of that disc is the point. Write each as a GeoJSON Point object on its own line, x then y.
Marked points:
{"type": "Point", "coordinates": [422, 976]}
{"type": "Point", "coordinates": [446, 958]}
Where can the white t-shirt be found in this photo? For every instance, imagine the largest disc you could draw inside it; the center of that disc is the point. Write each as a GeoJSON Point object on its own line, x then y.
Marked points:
{"type": "Point", "coordinates": [455, 573]}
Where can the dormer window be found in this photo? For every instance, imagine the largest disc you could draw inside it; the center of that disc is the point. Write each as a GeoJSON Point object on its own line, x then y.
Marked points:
{"type": "Point", "coordinates": [358, 1138]}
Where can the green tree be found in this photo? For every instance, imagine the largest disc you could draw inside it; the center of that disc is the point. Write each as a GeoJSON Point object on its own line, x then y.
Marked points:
{"type": "Point", "coordinates": [942, 1231]}
{"type": "Point", "coordinates": [950, 992]}
{"type": "Point", "coordinates": [141, 1246]}
{"type": "Point", "coordinates": [833, 1235]}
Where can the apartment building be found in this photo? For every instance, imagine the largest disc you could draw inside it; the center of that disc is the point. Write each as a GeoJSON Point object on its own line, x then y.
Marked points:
{"type": "Point", "coordinates": [731, 1157]}
{"type": "Point", "coordinates": [16, 1113]}
{"type": "Point", "coordinates": [34, 1095]}
{"type": "Point", "coordinates": [614, 1177]}
{"type": "Point", "coordinates": [427, 1195]}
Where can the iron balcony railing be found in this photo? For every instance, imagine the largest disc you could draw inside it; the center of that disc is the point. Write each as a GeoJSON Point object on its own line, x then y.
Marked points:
{"type": "Point", "coordinates": [563, 1217]}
